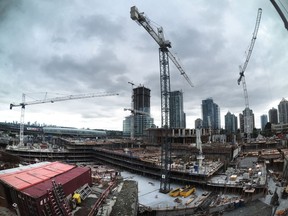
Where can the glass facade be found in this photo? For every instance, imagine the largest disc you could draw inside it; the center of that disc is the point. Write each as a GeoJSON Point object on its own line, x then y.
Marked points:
{"type": "Point", "coordinates": [283, 111]}
{"type": "Point", "coordinates": [211, 114]}
{"type": "Point", "coordinates": [177, 115]}
{"type": "Point", "coordinates": [230, 123]}
{"type": "Point", "coordinates": [264, 120]}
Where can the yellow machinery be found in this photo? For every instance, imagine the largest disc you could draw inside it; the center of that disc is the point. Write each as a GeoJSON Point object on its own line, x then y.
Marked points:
{"type": "Point", "coordinates": [187, 191]}
{"type": "Point", "coordinates": [175, 192]}
{"type": "Point", "coordinates": [77, 198]}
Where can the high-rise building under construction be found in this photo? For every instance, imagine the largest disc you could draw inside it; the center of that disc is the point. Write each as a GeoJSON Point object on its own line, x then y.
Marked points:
{"type": "Point", "coordinates": [140, 118]}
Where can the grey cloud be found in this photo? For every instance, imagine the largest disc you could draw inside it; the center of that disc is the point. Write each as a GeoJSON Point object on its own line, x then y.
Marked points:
{"type": "Point", "coordinates": [96, 72]}
{"type": "Point", "coordinates": [99, 26]}
{"type": "Point", "coordinates": [57, 39]}
{"type": "Point", "coordinates": [6, 6]}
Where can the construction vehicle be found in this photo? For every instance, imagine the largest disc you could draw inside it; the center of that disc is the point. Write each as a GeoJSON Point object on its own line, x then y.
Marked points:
{"type": "Point", "coordinates": [175, 192]}
{"type": "Point", "coordinates": [50, 100]}
{"type": "Point", "coordinates": [187, 191]}
{"type": "Point", "coordinates": [247, 116]}
{"type": "Point", "coordinates": [164, 56]}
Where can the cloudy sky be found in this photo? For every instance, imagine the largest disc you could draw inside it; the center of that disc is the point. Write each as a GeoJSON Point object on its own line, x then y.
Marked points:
{"type": "Point", "coordinates": [69, 47]}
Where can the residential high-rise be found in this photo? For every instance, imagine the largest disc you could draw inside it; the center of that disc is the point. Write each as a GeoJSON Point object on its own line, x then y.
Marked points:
{"type": "Point", "coordinates": [283, 111]}
{"type": "Point", "coordinates": [211, 114]}
{"type": "Point", "coordinates": [141, 104]}
{"type": "Point", "coordinates": [177, 115]}
{"type": "Point", "coordinates": [198, 123]}
{"type": "Point", "coordinates": [247, 124]}
{"type": "Point", "coordinates": [273, 116]}
{"type": "Point", "coordinates": [231, 124]}
{"type": "Point", "coordinates": [264, 120]}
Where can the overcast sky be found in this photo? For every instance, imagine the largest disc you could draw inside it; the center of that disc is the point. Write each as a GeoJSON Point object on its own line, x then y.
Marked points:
{"type": "Point", "coordinates": [69, 47]}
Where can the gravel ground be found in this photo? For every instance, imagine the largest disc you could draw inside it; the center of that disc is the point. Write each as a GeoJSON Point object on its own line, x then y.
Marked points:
{"type": "Point", "coordinates": [127, 200]}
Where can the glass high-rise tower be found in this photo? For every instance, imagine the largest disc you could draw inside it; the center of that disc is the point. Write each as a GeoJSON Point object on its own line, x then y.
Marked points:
{"type": "Point", "coordinates": [273, 116]}
{"type": "Point", "coordinates": [211, 114]}
{"type": "Point", "coordinates": [283, 111]}
{"type": "Point", "coordinates": [264, 120]}
{"type": "Point", "coordinates": [177, 115]}
{"type": "Point", "coordinates": [231, 124]}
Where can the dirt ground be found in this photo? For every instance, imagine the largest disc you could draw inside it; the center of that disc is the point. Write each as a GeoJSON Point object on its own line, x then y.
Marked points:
{"type": "Point", "coordinates": [6, 212]}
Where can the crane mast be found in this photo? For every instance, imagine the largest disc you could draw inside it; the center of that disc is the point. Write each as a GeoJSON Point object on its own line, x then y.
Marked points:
{"type": "Point", "coordinates": [132, 120]}
{"type": "Point", "coordinates": [49, 100]}
{"type": "Point", "coordinates": [247, 117]}
{"type": "Point", "coordinates": [164, 56]}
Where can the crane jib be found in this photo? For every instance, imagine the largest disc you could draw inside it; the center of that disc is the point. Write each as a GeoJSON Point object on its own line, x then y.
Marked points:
{"type": "Point", "coordinates": [50, 100]}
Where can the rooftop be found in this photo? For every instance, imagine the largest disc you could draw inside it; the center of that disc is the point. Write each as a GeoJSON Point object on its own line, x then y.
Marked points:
{"type": "Point", "coordinates": [26, 176]}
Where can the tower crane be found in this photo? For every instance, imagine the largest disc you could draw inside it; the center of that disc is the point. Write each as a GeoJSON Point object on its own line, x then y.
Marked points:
{"type": "Point", "coordinates": [164, 56]}
{"type": "Point", "coordinates": [133, 111]}
{"type": "Point", "coordinates": [247, 117]}
{"type": "Point", "coordinates": [50, 100]}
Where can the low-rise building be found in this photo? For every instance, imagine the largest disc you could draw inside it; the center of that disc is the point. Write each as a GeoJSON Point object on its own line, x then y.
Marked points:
{"type": "Point", "coordinates": [42, 188]}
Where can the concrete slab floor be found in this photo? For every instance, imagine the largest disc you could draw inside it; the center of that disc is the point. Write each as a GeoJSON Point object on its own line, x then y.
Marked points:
{"type": "Point", "coordinates": [150, 196]}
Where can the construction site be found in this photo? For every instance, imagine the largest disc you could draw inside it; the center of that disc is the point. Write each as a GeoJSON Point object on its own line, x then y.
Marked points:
{"type": "Point", "coordinates": [153, 171]}
{"type": "Point", "coordinates": [226, 177]}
